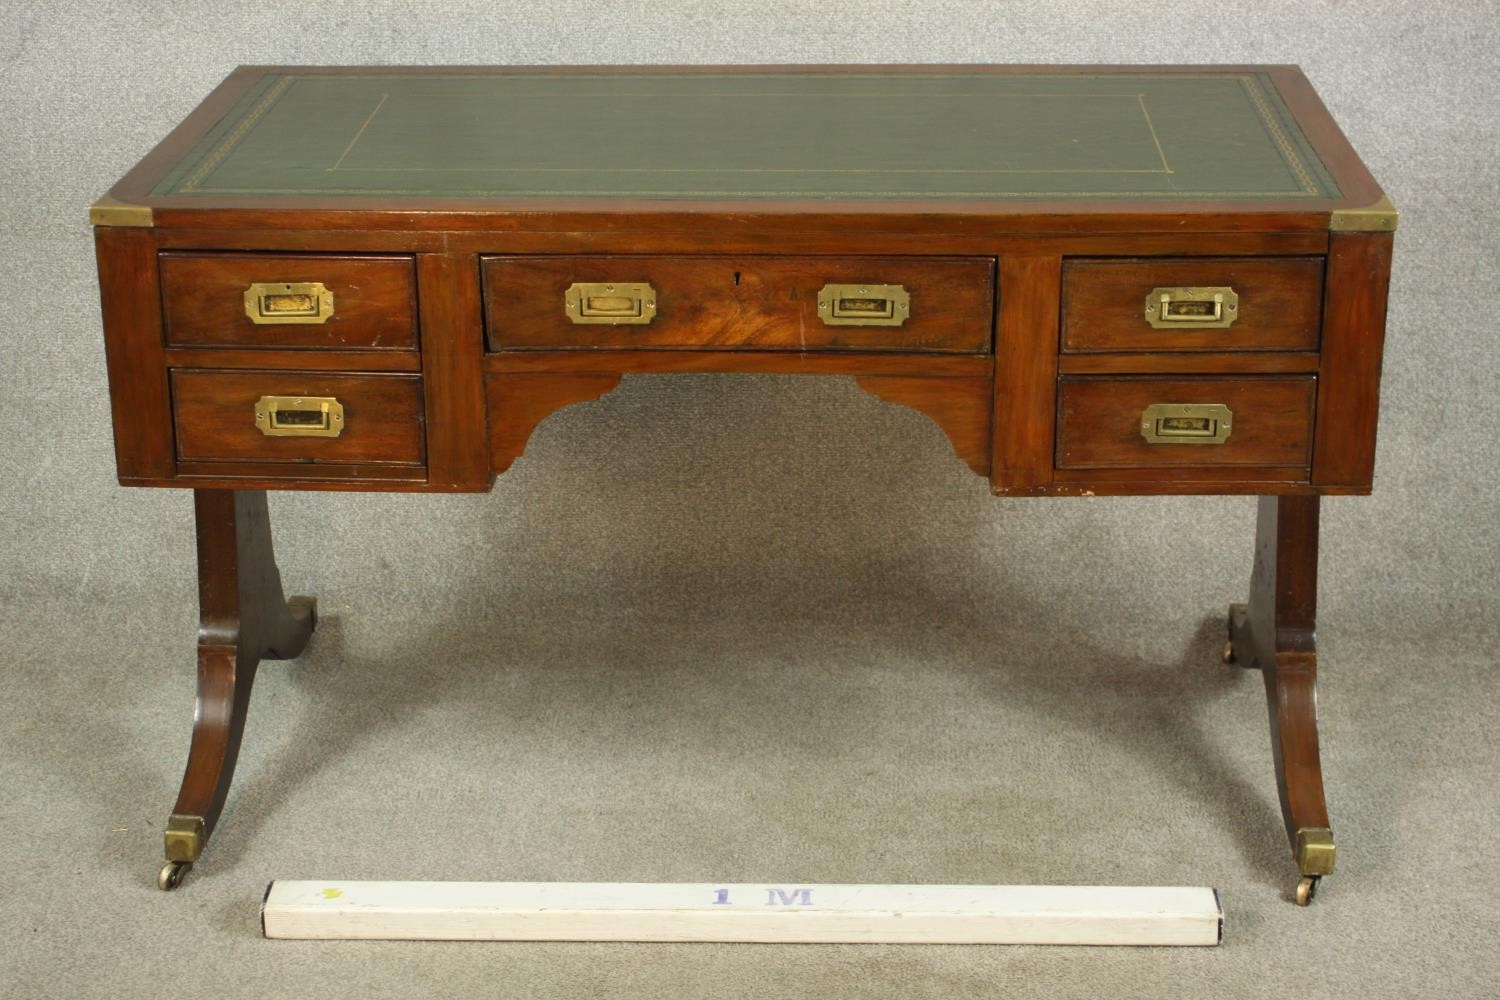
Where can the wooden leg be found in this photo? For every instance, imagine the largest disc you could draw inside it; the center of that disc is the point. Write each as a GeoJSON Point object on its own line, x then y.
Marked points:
{"type": "Point", "coordinates": [1274, 632]}
{"type": "Point", "coordinates": [243, 618]}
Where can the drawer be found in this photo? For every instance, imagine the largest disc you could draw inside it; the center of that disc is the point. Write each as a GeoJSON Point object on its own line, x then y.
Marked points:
{"type": "Point", "coordinates": [751, 303]}
{"type": "Point", "coordinates": [219, 417]}
{"type": "Point", "coordinates": [1102, 423]}
{"type": "Point", "coordinates": [364, 303]}
{"type": "Point", "coordinates": [1276, 304]}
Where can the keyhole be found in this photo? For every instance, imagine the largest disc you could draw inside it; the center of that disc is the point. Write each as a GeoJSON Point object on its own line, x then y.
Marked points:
{"type": "Point", "coordinates": [736, 279]}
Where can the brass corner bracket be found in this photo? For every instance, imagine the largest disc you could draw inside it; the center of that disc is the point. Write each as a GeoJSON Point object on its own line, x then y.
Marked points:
{"type": "Point", "coordinates": [184, 837]}
{"type": "Point", "coordinates": [111, 211]}
{"type": "Point", "coordinates": [1380, 217]}
{"type": "Point", "coordinates": [1315, 850]}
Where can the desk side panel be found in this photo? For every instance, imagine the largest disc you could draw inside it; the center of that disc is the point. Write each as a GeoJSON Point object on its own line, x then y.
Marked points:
{"type": "Point", "coordinates": [140, 401]}
{"type": "Point", "coordinates": [1359, 277]}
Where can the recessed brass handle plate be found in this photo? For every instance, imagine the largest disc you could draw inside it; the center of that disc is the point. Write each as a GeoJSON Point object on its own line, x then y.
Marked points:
{"type": "Point", "coordinates": [299, 416]}
{"type": "Point", "coordinates": [1186, 423]}
{"type": "Point", "coordinates": [1192, 308]}
{"type": "Point", "coordinates": [864, 305]}
{"type": "Point", "coordinates": [275, 302]}
{"type": "Point", "coordinates": [613, 302]}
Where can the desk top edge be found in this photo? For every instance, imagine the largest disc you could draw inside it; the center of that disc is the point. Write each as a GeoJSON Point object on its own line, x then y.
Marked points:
{"type": "Point", "coordinates": [1361, 207]}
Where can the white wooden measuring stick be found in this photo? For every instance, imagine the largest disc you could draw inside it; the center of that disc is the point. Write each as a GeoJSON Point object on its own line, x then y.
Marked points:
{"type": "Point", "coordinates": [746, 912]}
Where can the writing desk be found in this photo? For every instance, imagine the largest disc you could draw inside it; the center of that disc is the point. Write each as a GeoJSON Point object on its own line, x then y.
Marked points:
{"type": "Point", "coordinates": [1135, 280]}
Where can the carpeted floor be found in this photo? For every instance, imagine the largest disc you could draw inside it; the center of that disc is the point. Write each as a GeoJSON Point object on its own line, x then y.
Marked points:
{"type": "Point", "coordinates": [552, 683]}
{"type": "Point", "coordinates": [749, 628]}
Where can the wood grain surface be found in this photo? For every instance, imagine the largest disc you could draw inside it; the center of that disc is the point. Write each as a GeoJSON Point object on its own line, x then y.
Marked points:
{"type": "Point", "coordinates": [960, 406]}
{"type": "Point", "coordinates": [1099, 422]}
{"type": "Point", "coordinates": [1026, 371]}
{"type": "Point", "coordinates": [1359, 278]}
{"type": "Point", "coordinates": [374, 300]}
{"type": "Point", "coordinates": [139, 398]}
{"type": "Point", "coordinates": [749, 302]}
{"type": "Point", "coordinates": [215, 417]}
{"type": "Point", "coordinates": [519, 402]}
{"type": "Point", "coordinates": [1280, 304]}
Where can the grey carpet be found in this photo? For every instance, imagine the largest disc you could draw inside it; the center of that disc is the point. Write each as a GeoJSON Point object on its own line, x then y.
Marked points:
{"type": "Point", "coordinates": [749, 628]}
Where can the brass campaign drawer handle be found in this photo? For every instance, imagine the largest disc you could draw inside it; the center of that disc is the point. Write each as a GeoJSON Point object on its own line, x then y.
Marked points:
{"type": "Point", "coordinates": [1186, 423]}
{"type": "Point", "coordinates": [864, 305]}
{"type": "Point", "coordinates": [299, 416]}
{"type": "Point", "coordinates": [268, 302]}
{"type": "Point", "coordinates": [1192, 308]}
{"type": "Point", "coordinates": [617, 302]}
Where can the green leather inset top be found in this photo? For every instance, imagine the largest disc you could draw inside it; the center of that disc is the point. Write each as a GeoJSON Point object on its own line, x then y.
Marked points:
{"type": "Point", "coordinates": [665, 134]}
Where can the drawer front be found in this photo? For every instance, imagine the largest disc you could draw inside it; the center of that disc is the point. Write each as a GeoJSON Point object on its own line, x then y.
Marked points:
{"type": "Point", "coordinates": [1101, 421]}
{"type": "Point", "coordinates": [364, 303]}
{"type": "Point", "coordinates": [1268, 304]}
{"type": "Point", "coordinates": [753, 303]}
{"type": "Point", "coordinates": [219, 417]}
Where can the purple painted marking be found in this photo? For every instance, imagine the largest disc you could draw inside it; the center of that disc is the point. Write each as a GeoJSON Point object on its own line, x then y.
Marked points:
{"type": "Point", "coordinates": [780, 897]}
{"type": "Point", "coordinates": [721, 896]}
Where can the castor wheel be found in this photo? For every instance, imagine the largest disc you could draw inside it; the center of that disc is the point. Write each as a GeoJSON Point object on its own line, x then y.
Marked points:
{"type": "Point", "coordinates": [171, 875]}
{"type": "Point", "coordinates": [310, 603]}
{"type": "Point", "coordinates": [1238, 613]}
{"type": "Point", "coordinates": [1307, 889]}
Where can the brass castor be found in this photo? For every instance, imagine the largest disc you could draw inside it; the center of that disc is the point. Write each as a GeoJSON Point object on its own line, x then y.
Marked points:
{"type": "Point", "coordinates": [1237, 615]}
{"type": "Point", "coordinates": [310, 603]}
{"type": "Point", "coordinates": [1307, 889]}
{"type": "Point", "coordinates": [171, 875]}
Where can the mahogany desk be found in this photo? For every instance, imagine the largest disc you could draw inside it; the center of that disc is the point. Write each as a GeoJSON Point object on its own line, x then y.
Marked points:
{"type": "Point", "coordinates": [1134, 280]}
